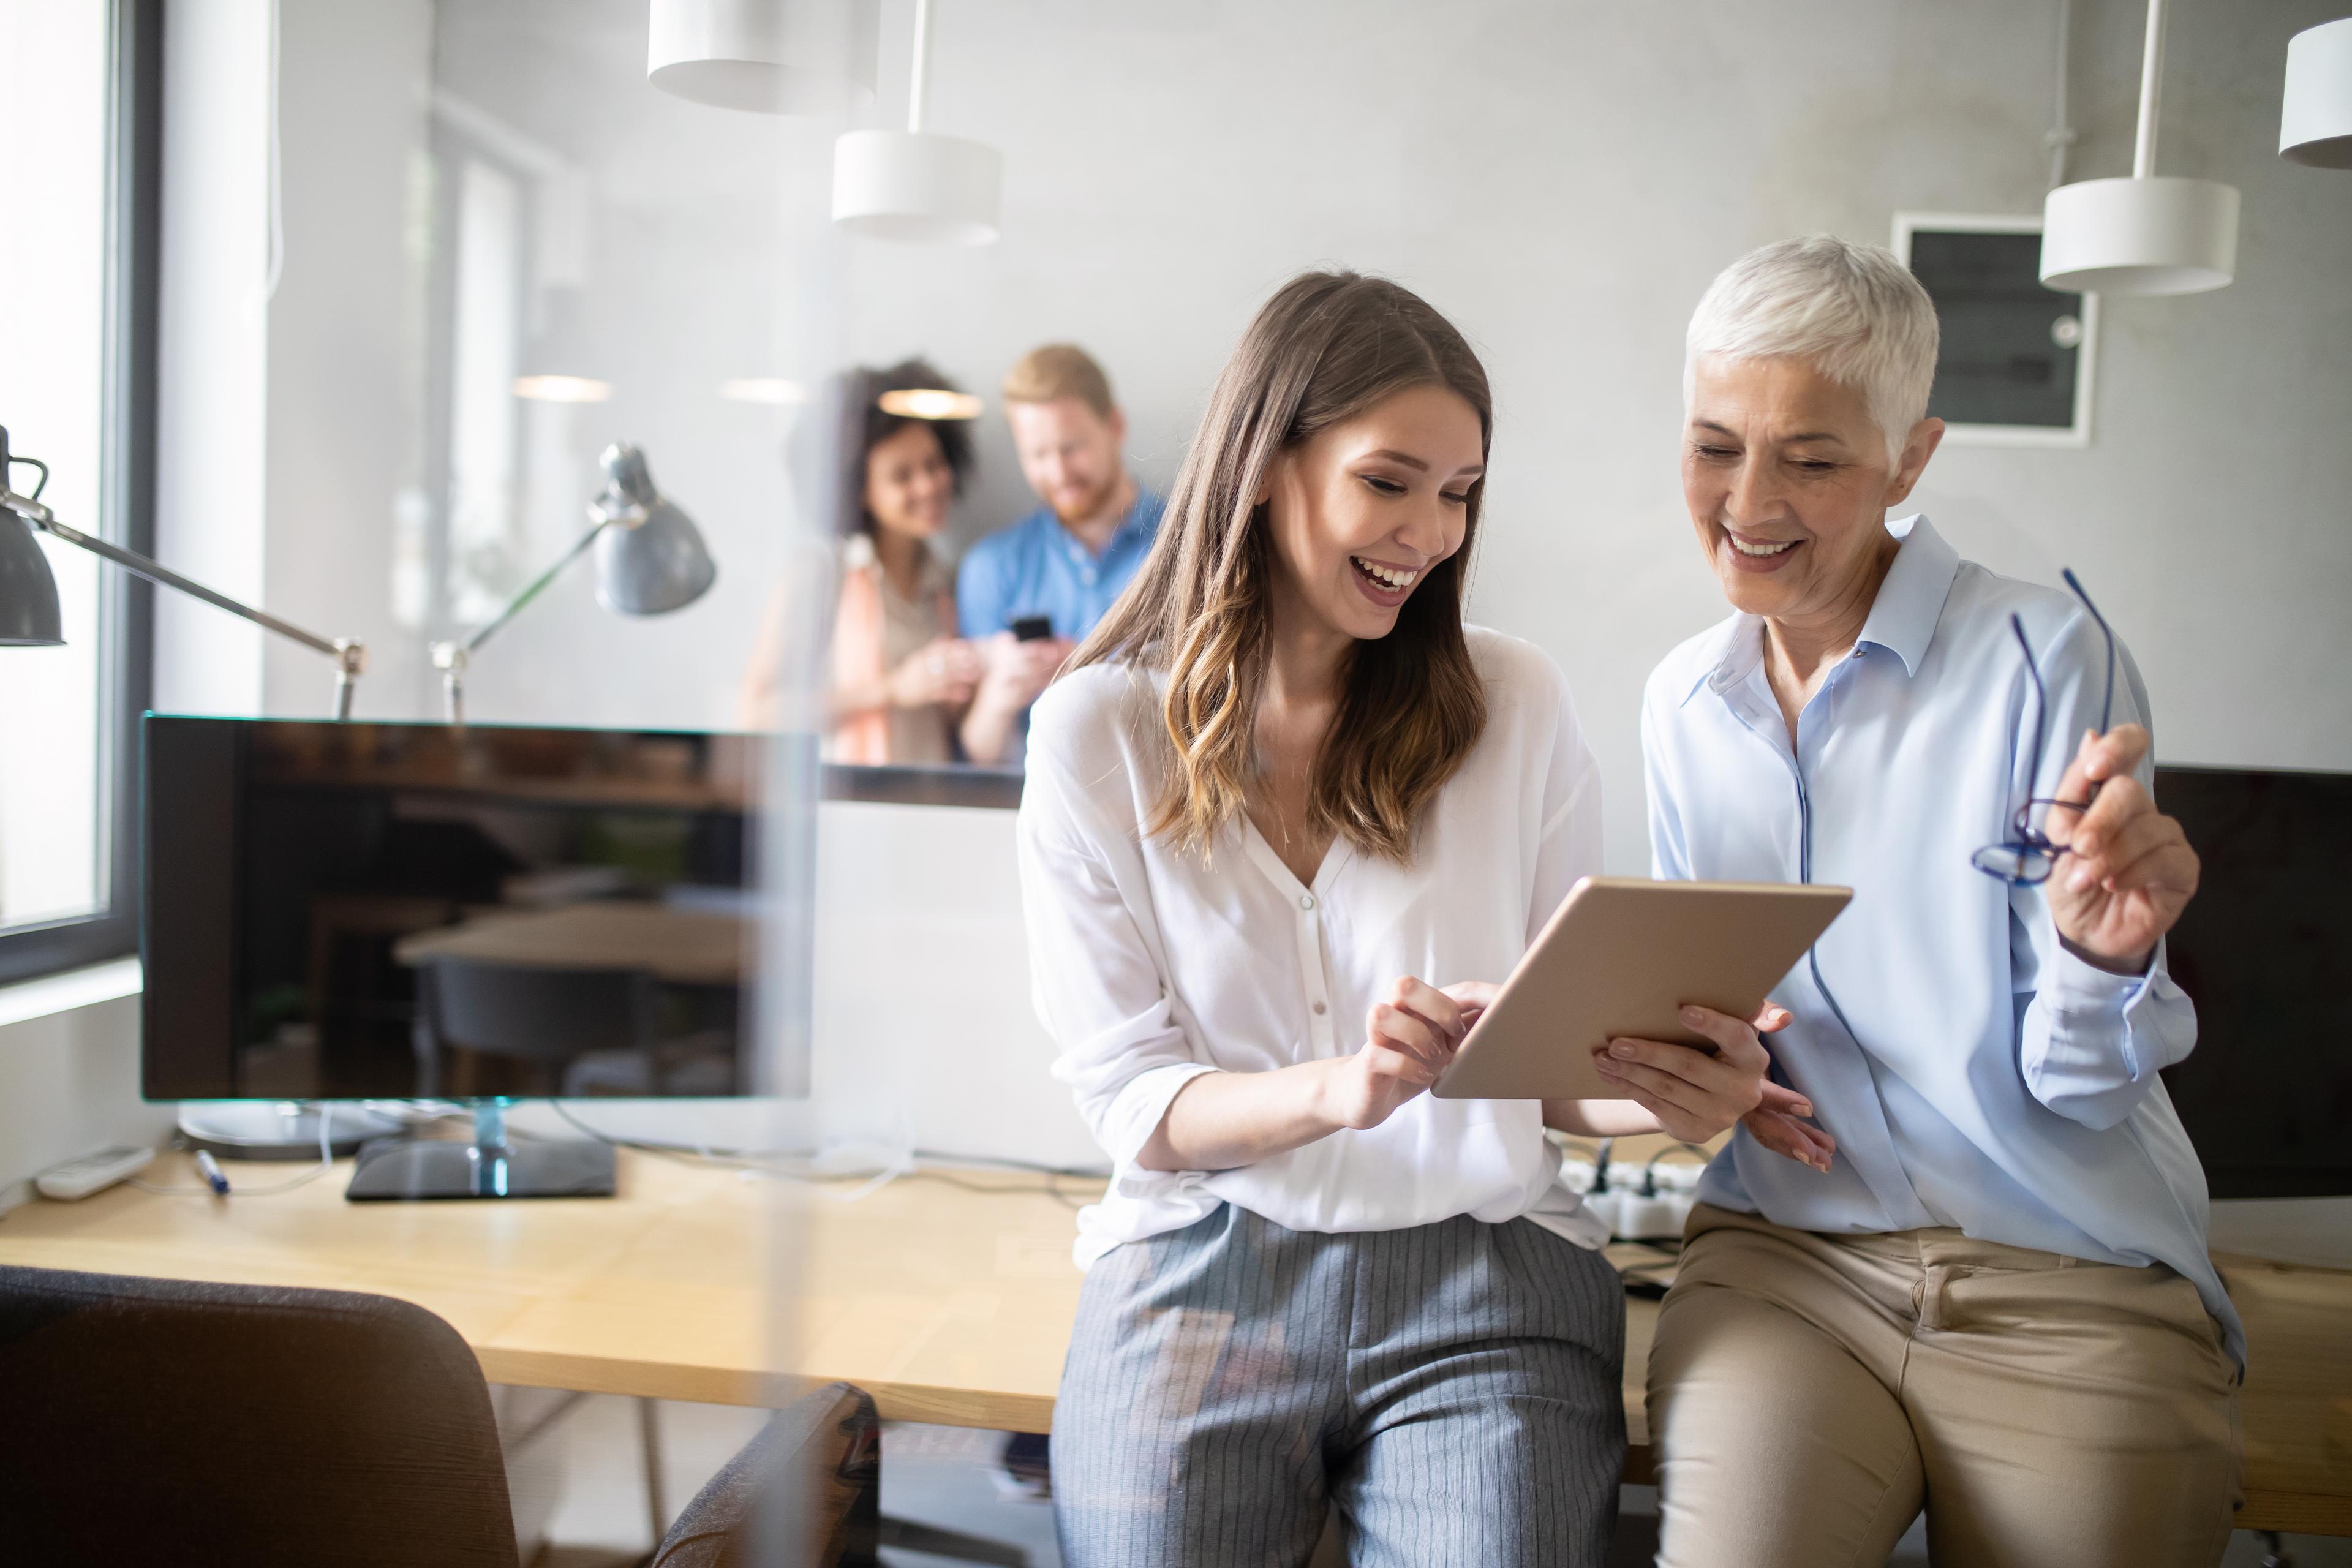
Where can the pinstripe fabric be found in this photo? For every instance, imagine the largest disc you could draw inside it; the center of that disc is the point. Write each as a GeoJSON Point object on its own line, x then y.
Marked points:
{"type": "Point", "coordinates": [1454, 1389]}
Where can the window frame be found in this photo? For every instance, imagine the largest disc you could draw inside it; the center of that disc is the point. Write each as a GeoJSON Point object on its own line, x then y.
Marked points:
{"type": "Point", "coordinates": [2075, 436]}
{"type": "Point", "coordinates": [133, 172]}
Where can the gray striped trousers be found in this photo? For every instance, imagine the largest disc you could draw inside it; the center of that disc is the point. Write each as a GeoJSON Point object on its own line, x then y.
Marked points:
{"type": "Point", "coordinates": [1452, 1389]}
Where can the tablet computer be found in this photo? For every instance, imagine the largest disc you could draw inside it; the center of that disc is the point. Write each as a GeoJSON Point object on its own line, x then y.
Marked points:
{"type": "Point", "coordinates": [1621, 956]}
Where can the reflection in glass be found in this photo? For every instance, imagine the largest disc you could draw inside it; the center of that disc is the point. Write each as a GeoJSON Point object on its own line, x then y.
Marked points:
{"type": "Point", "coordinates": [419, 912]}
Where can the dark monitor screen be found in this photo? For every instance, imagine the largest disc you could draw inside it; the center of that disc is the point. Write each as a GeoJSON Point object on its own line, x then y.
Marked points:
{"type": "Point", "coordinates": [2265, 952]}
{"type": "Point", "coordinates": [394, 911]}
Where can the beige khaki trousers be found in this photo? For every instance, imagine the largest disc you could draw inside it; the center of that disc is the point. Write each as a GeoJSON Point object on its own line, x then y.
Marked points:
{"type": "Point", "coordinates": [1809, 1393]}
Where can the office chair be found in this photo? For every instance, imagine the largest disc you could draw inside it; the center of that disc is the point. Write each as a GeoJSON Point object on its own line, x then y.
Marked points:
{"type": "Point", "coordinates": [531, 1013]}
{"type": "Point", "coordinates": [824, 1454]}
{"type": "Point", "coordinates": [169, 1421]}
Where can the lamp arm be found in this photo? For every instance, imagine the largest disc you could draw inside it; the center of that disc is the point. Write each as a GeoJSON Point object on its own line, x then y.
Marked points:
{"type": "Point", "coordinates": [349, 656]}
{"type": "Point", "coordinates": [537, 584]}
{"type": "Point", "coordinates": [156, 572]}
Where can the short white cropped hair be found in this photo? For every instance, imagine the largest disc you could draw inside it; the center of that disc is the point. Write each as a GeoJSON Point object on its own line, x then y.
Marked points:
{"type": "Point", "coordinates": [1853, 312]}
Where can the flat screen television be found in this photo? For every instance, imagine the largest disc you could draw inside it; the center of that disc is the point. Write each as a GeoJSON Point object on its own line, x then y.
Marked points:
{"type": "Point", "coordinates": [405, 911]}
{"type": "Point", "coordinates": [2265, 952]}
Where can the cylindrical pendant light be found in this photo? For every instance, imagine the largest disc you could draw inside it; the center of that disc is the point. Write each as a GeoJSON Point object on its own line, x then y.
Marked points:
{"type": "Point", "coordinates": [914, 185]}
{"type": "Point", "coordinates": [2315, 121]}
{"type": "Point", "coordinates": [774, 56]}
{"type": "Point", "coordinates": [2144, 234]}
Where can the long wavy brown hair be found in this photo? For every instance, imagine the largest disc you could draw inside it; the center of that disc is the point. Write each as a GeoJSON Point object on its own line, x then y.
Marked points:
{"type": "Point", "coordinates": [1326, 347]}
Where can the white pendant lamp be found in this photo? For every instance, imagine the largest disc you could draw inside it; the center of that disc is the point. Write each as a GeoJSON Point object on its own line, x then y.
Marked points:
{"type": "Point", "coordinates": [773, 57]}
{"type": "Point", "coordinates": [914, 185]}
{"type": "Point", "coordinates": [2315, 121]}
{"type": "Point", "coordinates": [2149, 234]}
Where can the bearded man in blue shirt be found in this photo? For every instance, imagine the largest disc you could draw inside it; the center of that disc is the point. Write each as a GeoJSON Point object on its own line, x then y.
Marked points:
{"type": "Point", "coordinates": [1982, 1286]}
{"type": "Point", "coordinates": [1062, 567]}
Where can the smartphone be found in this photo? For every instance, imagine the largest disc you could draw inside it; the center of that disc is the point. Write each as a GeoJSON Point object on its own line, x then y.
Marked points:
{"type": "Point", "coordinates": [1032, 628]}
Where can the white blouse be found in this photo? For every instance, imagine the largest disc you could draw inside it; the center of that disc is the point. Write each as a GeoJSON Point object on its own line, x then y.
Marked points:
{"type": "Point", "coordinates": [1151, 966]}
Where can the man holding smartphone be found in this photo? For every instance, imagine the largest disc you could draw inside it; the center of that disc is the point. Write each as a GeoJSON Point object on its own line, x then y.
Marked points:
{"type": "Point", "coordinates": [1029, 594]}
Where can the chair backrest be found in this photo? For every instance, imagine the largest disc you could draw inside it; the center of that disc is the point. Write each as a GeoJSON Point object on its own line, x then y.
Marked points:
{"type": "Point", "coordinates": [804, 1493]}
{"type": "Point", "coordinates": [534, 1012]}
{"type": "Point", "coordinates": [166, 1421]}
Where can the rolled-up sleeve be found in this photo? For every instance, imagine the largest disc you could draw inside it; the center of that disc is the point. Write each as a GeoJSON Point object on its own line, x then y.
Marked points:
{"type": "Point", "coordinates": [1095, 981]}
{"type": "Point", "coordinates": [2090, 1042]}
{"type": "Point", "coordinates": [2094, 1041]}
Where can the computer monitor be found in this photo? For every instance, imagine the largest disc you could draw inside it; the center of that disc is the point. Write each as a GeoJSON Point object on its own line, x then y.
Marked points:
{"type": "Point", "coordinates": [418, 912]}
{"type": "Point", "coordinates": [2265, 952]}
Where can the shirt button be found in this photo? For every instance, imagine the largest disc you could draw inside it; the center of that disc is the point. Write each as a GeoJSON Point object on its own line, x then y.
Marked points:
{"type": "Point", "coordinates": [1306, 900]}
{"type": "Point", "coordinates": [1321, 1009]}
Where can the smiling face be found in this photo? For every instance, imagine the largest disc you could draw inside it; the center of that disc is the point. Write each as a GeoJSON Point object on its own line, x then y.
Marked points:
{"type": "Point", "coordinates": [1069, 454]}
{"type": "Point", "coordinates": [1788, 482]}
{"type": "Point", "coordinates": [1361, 512]}
{"type": "Point", "coordinates": [908, 483]}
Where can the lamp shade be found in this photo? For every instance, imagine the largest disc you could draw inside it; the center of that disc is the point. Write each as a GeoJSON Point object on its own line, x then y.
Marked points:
{"type": "Point", "coordinates": [2315, 121]}
{"type": "Point", "coordinates": [773, 57]}
{"type": "Point", "coordinates": [29, 617]}
{"type": "Point", "coordinates": [2142, 234]}
{"type": "Point", "coordinates": [651, 558]}
{"type": "Point", "coordinates": [916, 185]}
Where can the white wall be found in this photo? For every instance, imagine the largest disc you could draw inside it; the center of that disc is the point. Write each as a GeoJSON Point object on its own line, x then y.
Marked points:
{"type": "Point", "coordinates": [212, 351]}
{"type": "Point", "coordinates": [346, 344]}
{"type": "Point", "coordinates": [925, 1036]}
{"type": "Point", "coordinates": [69, 1073]}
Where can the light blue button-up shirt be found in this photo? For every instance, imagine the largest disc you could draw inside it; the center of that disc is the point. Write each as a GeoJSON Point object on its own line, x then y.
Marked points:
{"type": "Point", "coordinates": [1973, 1071]}
{"type": "Point", "coordinates": [1037, 567]}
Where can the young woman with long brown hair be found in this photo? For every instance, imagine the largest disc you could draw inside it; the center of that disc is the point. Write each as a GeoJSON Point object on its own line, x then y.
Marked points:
{"type": "Point", "coordinates": [1282, 786]}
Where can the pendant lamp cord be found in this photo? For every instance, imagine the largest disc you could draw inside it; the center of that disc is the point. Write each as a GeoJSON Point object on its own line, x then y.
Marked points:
{"type": "Point", "coordinates": [920, 90]}
{"type": "Point", "coordinates": [2151, 82]}
{"type": "Point", "coordinates": [2060, 137]}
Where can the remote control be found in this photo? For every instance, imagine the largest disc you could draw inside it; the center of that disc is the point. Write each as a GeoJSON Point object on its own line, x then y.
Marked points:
{"type": "Point", "coordinates": [91, 1173]}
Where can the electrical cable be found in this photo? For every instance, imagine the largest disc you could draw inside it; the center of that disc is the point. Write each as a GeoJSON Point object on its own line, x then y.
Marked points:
{"type": "Point", "coordinates": [326, 1163]}
{"type": "Point", "coordinates": [769, 1162]}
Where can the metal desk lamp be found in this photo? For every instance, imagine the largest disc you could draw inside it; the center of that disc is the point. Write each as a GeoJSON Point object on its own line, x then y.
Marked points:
{"type": "Point", "coordinates": [650, 559]}
{"type": "Point", "coordinates": [29, 616]}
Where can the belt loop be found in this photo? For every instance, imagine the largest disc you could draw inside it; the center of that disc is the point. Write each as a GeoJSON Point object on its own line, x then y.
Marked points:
{"type": "Point", "coordinates": [1933, 1283]}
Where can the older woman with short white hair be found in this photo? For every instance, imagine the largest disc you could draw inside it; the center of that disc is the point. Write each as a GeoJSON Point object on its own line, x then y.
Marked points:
{"type": "Point", "coordinates": [1982, 1285]}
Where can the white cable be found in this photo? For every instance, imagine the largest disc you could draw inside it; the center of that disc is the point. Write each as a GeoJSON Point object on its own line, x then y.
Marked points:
{"type": "Point", "coordinates": [326, 1163]}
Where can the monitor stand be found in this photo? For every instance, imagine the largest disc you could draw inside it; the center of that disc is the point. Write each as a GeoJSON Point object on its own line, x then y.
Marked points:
{"type": "Point", "coordinates": [489, 1167]}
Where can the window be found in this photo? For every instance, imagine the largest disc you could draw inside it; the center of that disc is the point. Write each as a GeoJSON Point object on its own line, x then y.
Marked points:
{"type": "Point", "coordinates": [2014, 369]}
{"type": "Point", "coordinates": [74, 391]}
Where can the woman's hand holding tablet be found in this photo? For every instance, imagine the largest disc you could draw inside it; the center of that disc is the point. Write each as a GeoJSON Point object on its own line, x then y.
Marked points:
{"type": "Point", "coordinates": [1693, 1093]}
{"type": "Point", "coordinates": [1611, 1003]}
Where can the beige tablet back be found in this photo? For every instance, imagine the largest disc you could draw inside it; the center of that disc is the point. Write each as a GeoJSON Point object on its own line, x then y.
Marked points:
{"type": "Point", "coordinates": [1621, 957]}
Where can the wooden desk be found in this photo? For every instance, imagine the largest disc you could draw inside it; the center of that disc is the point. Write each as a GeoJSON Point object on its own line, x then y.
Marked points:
{"type": "Point", "coordinates": [686, 947]}
{"type": "Point", "coordinates": [951, 1305]}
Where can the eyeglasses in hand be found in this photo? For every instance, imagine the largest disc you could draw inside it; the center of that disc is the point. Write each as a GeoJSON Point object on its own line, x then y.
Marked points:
{"type": "Point", "coordinates": [2029, 856]}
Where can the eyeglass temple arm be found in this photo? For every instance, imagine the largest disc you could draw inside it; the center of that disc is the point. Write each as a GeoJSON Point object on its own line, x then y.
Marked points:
{"type": "Point", "coordinates": [2074, 584]}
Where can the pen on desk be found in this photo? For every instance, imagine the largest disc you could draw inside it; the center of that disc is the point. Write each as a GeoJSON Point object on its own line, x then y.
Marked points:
{"type": "Point", "coordinates": [209, 1168]}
